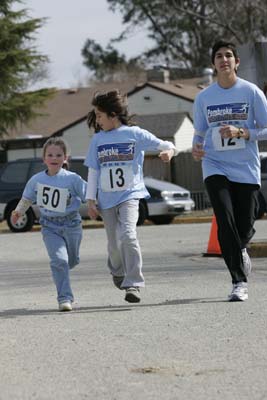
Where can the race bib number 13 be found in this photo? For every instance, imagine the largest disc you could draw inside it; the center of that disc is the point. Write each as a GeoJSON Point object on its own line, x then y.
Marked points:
{"type": "Point", "coordinates": [116, 178]}
{"type": "Point", "coordinates": [52, 198]}
{"type": "Point", "coordinates": [221, 144]}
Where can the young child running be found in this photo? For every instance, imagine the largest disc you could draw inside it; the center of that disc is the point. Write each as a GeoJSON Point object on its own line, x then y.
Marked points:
{"type": "Point", "coordinates": [115, 178]}
{"type": "Point", "coordinates": [59, 194]}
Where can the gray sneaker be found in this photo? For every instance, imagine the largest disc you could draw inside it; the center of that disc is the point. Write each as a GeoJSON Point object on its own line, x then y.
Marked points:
{"type": "Point", "coordinates": [239, 292]}
{"type": "Point", "coordinates": [132, 295]}
{"type": "Point", "coordinates": [117, 280]}
{"type": "Point", "coordinates": [246, 262]}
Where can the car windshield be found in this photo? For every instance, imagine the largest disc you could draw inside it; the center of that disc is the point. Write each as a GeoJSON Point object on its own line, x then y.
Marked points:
{"type": "Point", "coordinates": [15, 173]}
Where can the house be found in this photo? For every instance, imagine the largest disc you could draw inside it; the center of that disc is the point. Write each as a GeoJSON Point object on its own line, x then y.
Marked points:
{"type": "Point", "coordinates": [65, 114]}
{"type": "Point", "coordinates": [161, 97]}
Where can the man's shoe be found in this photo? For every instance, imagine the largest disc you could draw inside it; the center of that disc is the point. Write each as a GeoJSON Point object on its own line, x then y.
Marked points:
{"type": "Point", "coordinates": [246, 262]}
{"type": "Point", "coordinates": [132, 295]}
{"type": "Point", "coordinates": [65, 306]}
{"type": "Point", "coordinates": [117, 280]}
{"type": "Point", "coordinates": [239, 292]}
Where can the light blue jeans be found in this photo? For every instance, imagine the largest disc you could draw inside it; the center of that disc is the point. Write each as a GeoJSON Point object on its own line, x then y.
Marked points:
{"type": "Point", "coordinates": [124, 254]}
{"type": "Point", "coordinates": [62, 238]}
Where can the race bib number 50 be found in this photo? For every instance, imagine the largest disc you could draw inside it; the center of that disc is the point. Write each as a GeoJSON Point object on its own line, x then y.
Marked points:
{"type": "Point", "coordinates": [116, 178]}
{"type": "Point", "coordinates": [52, 198]}
{"type": "Point", "coordinates": [222, 144]}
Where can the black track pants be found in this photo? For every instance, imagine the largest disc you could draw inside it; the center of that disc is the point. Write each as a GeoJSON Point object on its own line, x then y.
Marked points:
{"type": "Point", "coordinates": [235, 206]}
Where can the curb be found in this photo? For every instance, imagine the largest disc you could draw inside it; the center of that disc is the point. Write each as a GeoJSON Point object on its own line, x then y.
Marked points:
{"type": "Point", "coordinates": [258, 249]}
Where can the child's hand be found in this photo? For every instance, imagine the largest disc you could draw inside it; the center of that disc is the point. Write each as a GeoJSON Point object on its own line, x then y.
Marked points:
{"type": "Point", "coordinates": [92, 210]}
{"type": "Point", "coordinates": [166, 155]}
{"type": "Point", "coordinates": [15, 216]}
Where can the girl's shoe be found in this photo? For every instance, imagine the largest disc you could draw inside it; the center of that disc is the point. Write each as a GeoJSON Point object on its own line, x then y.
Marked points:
{"type": "Point", "coordinates": [132, 295]}
{"type": "Point", "coordinates": [65, 306]}
{"type": "Point", "coordinates": [117, 280]}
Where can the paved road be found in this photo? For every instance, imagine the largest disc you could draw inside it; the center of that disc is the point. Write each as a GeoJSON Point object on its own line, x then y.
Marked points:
{"type": "Point", "coordinates": [183, 342]}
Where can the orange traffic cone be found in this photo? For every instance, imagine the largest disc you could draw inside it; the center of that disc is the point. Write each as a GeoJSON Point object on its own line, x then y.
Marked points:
{"type": "Point", "coordinates": [214, 249]}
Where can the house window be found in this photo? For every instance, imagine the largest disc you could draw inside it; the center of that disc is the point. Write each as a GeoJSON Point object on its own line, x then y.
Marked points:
{"type": "Point", "coordinates": [147, 98]}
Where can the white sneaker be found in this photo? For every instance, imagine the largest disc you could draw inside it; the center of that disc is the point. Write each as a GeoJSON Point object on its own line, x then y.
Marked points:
{"type": "Point", "coordinates": [65, 306]}
{"type": "Point", "coordinates": [239, 292]}
{"type": "Point", "coordinates": [246, 262]}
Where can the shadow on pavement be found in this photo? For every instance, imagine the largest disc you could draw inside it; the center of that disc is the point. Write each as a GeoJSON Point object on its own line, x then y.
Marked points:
{"type": "Point", "coordinates": [24, 312]}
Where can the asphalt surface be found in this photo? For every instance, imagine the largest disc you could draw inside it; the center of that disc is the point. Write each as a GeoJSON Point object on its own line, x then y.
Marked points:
{"type": "Point", "coordinates": [183, 341]}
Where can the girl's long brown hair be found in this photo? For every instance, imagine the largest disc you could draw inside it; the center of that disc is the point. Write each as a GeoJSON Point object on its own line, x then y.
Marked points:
{"type": "Point", "coordinates": [112, 103]}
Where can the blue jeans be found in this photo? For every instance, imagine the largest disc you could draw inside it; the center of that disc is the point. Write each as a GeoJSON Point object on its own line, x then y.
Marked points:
{"type": "Point", "coordinates": [62, 240]}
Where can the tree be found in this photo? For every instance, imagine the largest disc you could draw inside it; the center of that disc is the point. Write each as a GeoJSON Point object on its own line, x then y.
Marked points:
{"type": "Point", "coordinates": [19, 61]}
{"type": "Point", "coordinates": [184, 30]}
{"type": "Point", "coordinates": [107, 64]}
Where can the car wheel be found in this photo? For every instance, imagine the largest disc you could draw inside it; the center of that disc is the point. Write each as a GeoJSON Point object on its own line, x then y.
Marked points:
{"type": "Point", "coordinates": [142, 213]}
{"type": "Point", "coordinates": [162, 220]}
{"type": "Point", "coordinates": [261, 206]}
{"type": "Point", "coordinates": [24, 224]}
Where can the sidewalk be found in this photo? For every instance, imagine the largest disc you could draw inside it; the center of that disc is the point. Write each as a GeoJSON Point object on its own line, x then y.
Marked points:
{"type": "Point", "coordinates": [193, 217]}
{"type": "Point", "coordinates": [256, 249]}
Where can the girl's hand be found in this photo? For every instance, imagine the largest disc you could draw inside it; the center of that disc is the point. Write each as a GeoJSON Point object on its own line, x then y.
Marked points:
{"type": "Point", "coordinates": [166, 155]}
{"type": "Point", "coordinates": [198, 152]}
{"type": "Point", "coordinates": [92, 210]}
{"type": "Point", "coordinates": [15, 216]}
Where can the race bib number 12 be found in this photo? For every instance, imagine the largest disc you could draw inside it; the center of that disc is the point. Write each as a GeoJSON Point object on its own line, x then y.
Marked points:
{"type": "Point", "coordinates": [221, 144]}
{"type": "Point", "coordinates": [52, 198]}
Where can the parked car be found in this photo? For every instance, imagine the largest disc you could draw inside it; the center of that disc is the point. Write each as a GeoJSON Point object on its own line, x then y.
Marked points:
{"type": "Point", "coordinates": [167, 200]}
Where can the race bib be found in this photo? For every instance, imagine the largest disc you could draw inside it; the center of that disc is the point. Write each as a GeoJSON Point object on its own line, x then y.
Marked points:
{"type": "Point", "coordinates": [221, 144]}
{"type": "Point", "coordinates": [52, 198]}
{"type": "Point", "coordinates": [116, 178]}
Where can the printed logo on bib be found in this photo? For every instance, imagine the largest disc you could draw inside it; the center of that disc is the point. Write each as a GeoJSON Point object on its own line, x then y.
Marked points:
{"type": "Point", "coordinates": [111, 152]}
{"type": "Point", "coordinates": [52, 198]}
{"type": "Point", "coordinates": [227, 112]}
{"type": "Point", "coordinates": [116, 178]}
{"type": "Point", "coordinates": [222, 144]}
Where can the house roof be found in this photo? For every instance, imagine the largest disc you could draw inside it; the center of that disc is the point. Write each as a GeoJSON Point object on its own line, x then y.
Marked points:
{"type": "Point", "coordinates": [70, 106]}
{"type": "Point", "coordinates": [175, 88]}
{"type": "Point", "coordinates": [163, 126]}
{"type": "Point", "coordinates": [65, 108]}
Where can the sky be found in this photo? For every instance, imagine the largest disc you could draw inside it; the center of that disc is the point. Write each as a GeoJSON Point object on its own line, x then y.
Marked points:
{"type": "Point", "coordinates": [69, 23]}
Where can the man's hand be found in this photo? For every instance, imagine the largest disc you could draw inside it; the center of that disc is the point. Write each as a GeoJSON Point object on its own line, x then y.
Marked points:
{"type": "Point", "coordinates": [198, 152]}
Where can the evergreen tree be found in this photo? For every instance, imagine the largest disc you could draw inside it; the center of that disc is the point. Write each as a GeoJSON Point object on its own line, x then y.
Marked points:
{"type": "Point", "coordinates": [19, 60]}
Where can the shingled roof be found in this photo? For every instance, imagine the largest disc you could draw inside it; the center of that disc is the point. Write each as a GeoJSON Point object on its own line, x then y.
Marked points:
{"type": "Point", "coordinates": [178, 89]}
{"type": "Point", "coordinates": [66, 108]}
{"type": "Point", "coordinates": [70, 106]}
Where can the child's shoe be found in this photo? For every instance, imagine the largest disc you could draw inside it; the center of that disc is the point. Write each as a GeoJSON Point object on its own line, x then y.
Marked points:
{"type": "Point", "coordinates": [117, 280]}
{"type": "Point", "coordinates": [65, 306]}
{"type": "Point", "coordinates": [132, 295]}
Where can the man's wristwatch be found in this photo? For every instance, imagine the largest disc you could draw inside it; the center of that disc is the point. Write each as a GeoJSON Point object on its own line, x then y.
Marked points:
{"type": "Point", "coordinates": [241, 133]}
